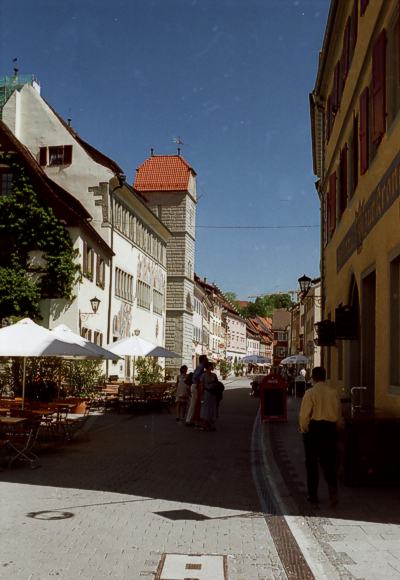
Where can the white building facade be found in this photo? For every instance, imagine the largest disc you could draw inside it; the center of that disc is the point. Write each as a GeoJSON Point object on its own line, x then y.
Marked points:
{"type": "Point", "coordinates": [131, 281]}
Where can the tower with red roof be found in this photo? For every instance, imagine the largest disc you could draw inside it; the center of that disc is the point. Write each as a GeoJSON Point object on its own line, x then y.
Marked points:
{"type": "Point", "coordinates": [169, 184]}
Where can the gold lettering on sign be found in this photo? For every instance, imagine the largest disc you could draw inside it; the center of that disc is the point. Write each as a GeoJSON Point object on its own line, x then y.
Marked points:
{"type": "Point", "coordinates": [369, 213]}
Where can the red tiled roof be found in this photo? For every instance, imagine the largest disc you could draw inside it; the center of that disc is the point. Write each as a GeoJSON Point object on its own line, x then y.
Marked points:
{"type": "Point", "coordinates": [163, 173]}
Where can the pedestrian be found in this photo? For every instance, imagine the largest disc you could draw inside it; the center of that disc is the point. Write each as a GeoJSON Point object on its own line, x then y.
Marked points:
{"type": "Point", "coordinates": [300, 383]}
{"type": "Point", "coordinates": [319, 419]}
{"type": "Point", "coordinates": [182, 394]}
{"type": "Point", "coordinates": [193, 413]}
{"type": "Point", "coordinates": [209, 390]}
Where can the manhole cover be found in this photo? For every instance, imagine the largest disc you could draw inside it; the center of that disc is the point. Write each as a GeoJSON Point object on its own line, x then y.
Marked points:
{"type": "Point", "coordinates": [192, 567]}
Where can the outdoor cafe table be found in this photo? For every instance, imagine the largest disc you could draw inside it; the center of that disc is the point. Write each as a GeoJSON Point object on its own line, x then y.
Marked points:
{"type": "Point", "coordinates": [21, 447]}
{"type": "Point", "coordinates": [12, 420]}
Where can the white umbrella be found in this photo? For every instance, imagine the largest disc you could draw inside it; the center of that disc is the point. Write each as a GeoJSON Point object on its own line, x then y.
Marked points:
{"type": "Point", "coordinates": [256, 358]}
{"type": "Point", "coordinates": [136, 346]}
{"type": "Point", "coordinates": [28, 339]}
{"type": "Point", "coordinates": [64, 333]}
{"type": "Point", "coordinates": [295, 359]}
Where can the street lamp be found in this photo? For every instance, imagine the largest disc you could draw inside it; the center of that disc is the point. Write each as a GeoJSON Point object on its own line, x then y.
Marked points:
{"type": "Point", "coordinates": [305, 284]}
{"type": "Point", "coordinates": [83, 316]}
{"type": "Point", "coordinates": [95, 303]}
{"type": "Point", "coordinates": [136, 332]}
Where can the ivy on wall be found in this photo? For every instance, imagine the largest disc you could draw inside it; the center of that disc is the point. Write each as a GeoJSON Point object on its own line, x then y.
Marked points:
{"type": "Point", "coordinates": [27, 224]}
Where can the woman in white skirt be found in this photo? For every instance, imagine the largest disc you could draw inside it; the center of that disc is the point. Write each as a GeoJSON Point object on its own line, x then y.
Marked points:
{"type": "Point", "coordinates": [182, 393]}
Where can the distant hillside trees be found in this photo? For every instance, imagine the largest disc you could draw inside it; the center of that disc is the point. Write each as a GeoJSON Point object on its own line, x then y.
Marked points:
{"type": "Point", "coordinates": [263, 305]}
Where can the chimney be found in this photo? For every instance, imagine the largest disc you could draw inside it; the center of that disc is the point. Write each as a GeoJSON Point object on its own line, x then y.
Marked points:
{"type": "Point", "coordinates": [152, 152]}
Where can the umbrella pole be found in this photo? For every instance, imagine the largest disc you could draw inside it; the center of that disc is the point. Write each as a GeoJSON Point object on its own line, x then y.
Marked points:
{"type": "Point", "coordinates": [59, 380]}
{"type": "Point", "coordinates": [23, 381]}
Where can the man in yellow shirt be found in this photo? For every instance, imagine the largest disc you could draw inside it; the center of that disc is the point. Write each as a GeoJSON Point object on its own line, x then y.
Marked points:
{"type": "Point", "coordinates": [320, 416]}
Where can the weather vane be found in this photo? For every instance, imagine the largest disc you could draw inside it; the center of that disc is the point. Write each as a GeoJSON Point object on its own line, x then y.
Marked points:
{"type": "Point", "coordinates": [179, 142]}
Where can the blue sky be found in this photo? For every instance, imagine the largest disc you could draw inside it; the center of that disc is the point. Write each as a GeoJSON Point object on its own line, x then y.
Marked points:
{"type": "Point", "coordinates": [231, 78]}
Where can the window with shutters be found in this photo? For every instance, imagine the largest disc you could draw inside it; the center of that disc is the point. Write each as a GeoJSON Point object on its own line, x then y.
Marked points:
{"type": "Point", "coordinates": [345, 58]}
{"type": "Point", "coordinates": [363, 6]}
{"type": "Point", "coordinates": [364, 131]}
{"type": "Point", "coordinates": [331, 218]}
{"type": "Point", "coordinates": [336, 94]}
{"type": "Point", "coordinates": [6, 181]}
{"type": "Point", "coordinates": [325, 217]}
{"type": "Point", "coordinates": [143, 292]}
{"type": "Point", "coordinates": [353, 29]}
{"type": "Point", "coordinates": [379, 88]}
{"type": "Point", "coordinates": [88, 261]}
{"type": "Point", "coordinates": [329, 117]}
{"type": "Point", "coordinates": [353, 158]}
{"type": "Point", "coordinates": [158, 302]}
{"type": "Point", "coordinates": [393, 67]}
{"type": "Point", "coordinates": [343, 181]}
{"type": "Point", "coordinates": [123, 285]}
{"type": "Point", "coordinates": [395, 322]}
{"type": "Point", "coordinates": [98, 338]}
{"type": "Point", "coordinates": [56, 155]}
{"type": "Point", "coordinates": [100, 272]}
{"type": "Point", "coordinates": [86, 333]}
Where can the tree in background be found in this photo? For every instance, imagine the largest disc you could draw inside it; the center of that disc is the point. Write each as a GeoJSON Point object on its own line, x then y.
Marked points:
{"type": "Point", "coordinates": [264, 305]}
{"type": "Point", "coordinates": [233, 299]}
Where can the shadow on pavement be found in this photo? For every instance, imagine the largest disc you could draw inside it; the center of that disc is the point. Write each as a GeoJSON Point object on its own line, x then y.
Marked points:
{"type": "Point", "coordinates": [153, 457]}
{"type": "Point", "coordinates": [377, 504]}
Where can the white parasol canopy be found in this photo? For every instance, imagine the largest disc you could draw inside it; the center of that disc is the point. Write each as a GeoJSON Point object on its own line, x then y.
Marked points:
{"type": "Point", "coordinates": [65, 333]}
{"type": "Point", "coordinates": [136, 346]}
{"type": "Point", "coordinates": [256, 358]}
{"type": "Point", "coordinates": [295, 359]}
{"type": "Point", "coordinates": [27, 339]}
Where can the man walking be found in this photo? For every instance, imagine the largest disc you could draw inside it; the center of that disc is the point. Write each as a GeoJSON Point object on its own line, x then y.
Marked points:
{"type": "Point", "coordinates": [320, 416]}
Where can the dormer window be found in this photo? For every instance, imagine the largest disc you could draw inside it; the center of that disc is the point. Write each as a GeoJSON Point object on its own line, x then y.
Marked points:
{"type": "Point", "coordinates": [55, 155]}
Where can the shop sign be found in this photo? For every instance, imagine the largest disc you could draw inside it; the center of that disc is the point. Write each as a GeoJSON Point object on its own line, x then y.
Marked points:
{"type": "Point", "coordinates": [369, 213]}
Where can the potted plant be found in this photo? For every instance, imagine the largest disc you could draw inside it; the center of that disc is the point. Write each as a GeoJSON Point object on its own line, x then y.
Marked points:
{"type": "Point", "coordinates": [148, 371]}
{"type": "Point", "coordinates": [224, 368]}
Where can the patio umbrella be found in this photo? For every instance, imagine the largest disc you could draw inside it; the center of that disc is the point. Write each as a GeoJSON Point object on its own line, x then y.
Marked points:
{"type": "Point", "coordinates": [27, 339]}
{"type": "Point", "coordinates": [64, 333]}
{"type": "Point", "coordinates": [136, 346]}
{"type": "Point", "coordinates": [295, 359]}
{"type": "Point", "coordinates": [256, 359]}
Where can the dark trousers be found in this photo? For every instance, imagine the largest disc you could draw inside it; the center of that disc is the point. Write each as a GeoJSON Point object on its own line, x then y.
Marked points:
{"type": "Point", "coordinates": [320, 448]}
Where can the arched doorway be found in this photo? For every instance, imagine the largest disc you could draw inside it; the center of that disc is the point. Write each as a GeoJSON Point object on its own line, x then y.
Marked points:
{"type": "Point", "coordinates": [368, 337]}
{"type": "Point", "coordinates": [353, 347]}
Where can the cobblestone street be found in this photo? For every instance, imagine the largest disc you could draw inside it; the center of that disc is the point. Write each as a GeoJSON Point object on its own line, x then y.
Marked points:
{"type": "Point", "coordinates": [133, 488]}
{"type": "Point", "coordinates": [140, 496]}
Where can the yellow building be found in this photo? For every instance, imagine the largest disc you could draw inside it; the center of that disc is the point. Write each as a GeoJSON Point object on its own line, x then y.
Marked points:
{"type": "Point", "coordinates": [355, 119]}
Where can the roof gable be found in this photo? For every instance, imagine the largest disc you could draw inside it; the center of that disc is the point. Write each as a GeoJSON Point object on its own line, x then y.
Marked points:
{"type": "Point", "coordinates": [63, 203]}
{"type": "Point", "coordinates": [163, 173]}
